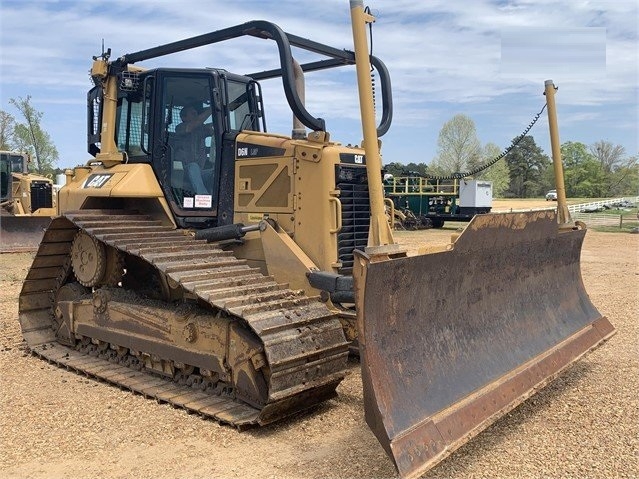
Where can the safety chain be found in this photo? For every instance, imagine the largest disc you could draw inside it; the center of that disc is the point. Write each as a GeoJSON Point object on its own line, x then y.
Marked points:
{"type": "Point", "coordinates": [459, 176]}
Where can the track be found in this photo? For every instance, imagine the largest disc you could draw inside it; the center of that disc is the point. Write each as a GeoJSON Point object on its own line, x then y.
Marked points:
{"type": "Point", "coordinates": [301, 339]}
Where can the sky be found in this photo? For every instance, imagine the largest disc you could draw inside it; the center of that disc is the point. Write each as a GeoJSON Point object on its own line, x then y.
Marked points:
{"type": "Point", "coordinates": [486, 59]}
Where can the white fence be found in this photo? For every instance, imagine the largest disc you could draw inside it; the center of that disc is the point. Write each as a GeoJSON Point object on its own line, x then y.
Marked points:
{"type": "Point", "coordinates": [581, 207]}
{"type": "Point", "coordinates": [595, 205]}
{"type": "Point", "coordinates": [578, 212]}
{"type": "Point", "coordinates": [594, 219]}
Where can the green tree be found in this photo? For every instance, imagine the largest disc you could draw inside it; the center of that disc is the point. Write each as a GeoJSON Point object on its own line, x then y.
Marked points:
{"type": "Point", "coordinates": [7, 124]}
{"type": "Point", "coordinates": [584, 175]}
{"type": "Point", "coordinates": [608, 155]}
{"type": "Point", "coordinates": [458, 148]}
{"type": "Point", "coordinates": [400, 169]}
{"type": "Point", "coordinates": [527, 164]}
{"type": "Point", "coordinates": [620, 172]}
{"type": "Point", "coordinates": [416, 169]}
{"type": "Point", "coordinates": [624, 178]}
{"type": "Point", "coordinates": [30, 137]}
{"type": "Point", "coordinates": [497, 173]}
{"type": "Point", "coordinates": [394, 168]}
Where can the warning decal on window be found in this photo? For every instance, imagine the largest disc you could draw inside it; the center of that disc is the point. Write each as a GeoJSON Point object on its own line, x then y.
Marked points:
{"type": "Point", "coordinates": [203, 201]}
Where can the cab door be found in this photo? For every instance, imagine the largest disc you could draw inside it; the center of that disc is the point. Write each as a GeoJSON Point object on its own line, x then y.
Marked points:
{"type": "Point", "coordinates": [186, 156]}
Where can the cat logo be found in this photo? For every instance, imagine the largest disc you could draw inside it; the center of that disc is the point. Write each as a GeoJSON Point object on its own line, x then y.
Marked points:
{"type": "Point", "coordinates": [352, 158]}
{"type": "Point", "coordinates": [96, 181]}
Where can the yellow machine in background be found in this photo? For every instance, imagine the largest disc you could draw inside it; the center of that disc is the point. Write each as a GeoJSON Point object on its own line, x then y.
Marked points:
{"type": "Point", "coordinates": [27, 203]}
{"type": "Point", "coordinates": [203, 261]}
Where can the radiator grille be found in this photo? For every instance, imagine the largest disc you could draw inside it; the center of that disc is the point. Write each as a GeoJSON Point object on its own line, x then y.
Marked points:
{"type": "Point", "coordinates": [41, 195]}
{"type": "Point", "coordinates": [351, 182]}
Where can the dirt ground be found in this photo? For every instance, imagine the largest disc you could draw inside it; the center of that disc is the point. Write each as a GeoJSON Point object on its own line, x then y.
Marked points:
{"type": "Point", "coordinates": [500, 205]}
{"type": "Point", "coordinates": [57, 424]}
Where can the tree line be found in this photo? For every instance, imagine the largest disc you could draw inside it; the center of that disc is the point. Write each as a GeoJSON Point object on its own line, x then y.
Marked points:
{"type": "Point", "coordinates": [599, 170]}
{"type": "Point", "coordinates": [595, 171]}
{"type": "Point", "coordinates": [27, 136]}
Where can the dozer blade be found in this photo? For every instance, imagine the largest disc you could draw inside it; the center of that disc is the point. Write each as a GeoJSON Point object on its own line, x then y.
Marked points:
{"type": "Point", "coordinates": [22, 233]}
{"type": "Point", "coordinates": [451, 341]}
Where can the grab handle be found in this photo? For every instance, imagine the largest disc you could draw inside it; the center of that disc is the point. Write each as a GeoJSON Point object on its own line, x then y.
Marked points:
{"type": "Point", "coordinates": [391, 207]}
{"type": "Point", "coordinates": [338, 215]}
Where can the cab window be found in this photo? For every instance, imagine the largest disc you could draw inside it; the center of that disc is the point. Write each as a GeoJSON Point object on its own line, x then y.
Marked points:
{"type": "Point", "coordinates": [190, 132]}
{"type": "Point", "coordinates": [242, 105]}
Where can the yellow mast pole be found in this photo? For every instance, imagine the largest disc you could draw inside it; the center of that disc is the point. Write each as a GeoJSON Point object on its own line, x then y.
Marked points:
{"type": "Point", "coordinates": [563, 215]}
{"type": "Point", "coordinates": [109, 154]}
{"type": "Point", "coordinates": [379, 232]}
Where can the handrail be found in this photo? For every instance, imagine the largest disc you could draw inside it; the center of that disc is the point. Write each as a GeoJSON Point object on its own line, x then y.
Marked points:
{"type": "Point", "coordinates": [270, 31]}
{"type": "Point", "coordinates": [418, 186]}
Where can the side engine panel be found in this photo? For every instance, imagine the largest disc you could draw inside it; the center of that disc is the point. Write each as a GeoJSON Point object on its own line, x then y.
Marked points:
{"type": "Point", "coordinates": [315, 191]}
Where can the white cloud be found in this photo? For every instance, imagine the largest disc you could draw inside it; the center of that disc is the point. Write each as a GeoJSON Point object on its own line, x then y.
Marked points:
{"type": "Point", "coordinates": [575, 53]}
{"type": "Point", "coordinates": [444, 56]}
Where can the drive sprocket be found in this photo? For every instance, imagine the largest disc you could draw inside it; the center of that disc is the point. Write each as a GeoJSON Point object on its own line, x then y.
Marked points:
{"type": "Point", "coordinates": [88, 259]}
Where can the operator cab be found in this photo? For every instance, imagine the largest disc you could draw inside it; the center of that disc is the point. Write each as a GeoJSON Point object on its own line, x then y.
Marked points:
{"type": "Point", "coordinates": [182, 121]}
{"type": "Point", "coordinates": [10, 163]}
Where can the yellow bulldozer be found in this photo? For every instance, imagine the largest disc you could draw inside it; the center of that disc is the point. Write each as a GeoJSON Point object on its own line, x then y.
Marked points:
{"type": "Point", "coordinates": [205, 262]}
{"type": "Point", "coordinates": [27, 203]}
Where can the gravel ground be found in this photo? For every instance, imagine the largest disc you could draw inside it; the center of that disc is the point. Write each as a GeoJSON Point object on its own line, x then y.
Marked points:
{"type": "Point", "coordinates": [57, 424]}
